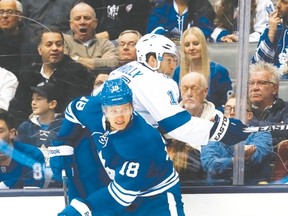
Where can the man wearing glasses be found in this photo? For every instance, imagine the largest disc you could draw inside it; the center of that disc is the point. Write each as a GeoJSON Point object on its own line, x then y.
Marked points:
{"type": "Point", "coordinates": [217, 158]}
{"type": "Point", "coordinates": [14, 44]}
{"type": "Point", "coordinates": [263, 84]}
{"type": "Point", "coordinates": [269, 109]}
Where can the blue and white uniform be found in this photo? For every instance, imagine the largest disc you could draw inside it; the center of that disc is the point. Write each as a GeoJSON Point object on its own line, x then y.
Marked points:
{"type": "Point", "coordinates": [137, 163]}
{"type": "Point", "coordinates": [20, 172]}
{"type": "Point", "coordinates": [155, 98]}
{"type": "Point", "coordinates": [275, 52]}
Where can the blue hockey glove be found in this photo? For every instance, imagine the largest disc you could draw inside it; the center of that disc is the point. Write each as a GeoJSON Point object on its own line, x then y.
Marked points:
{"type": "Point", "coordinates": [76, 208]}
{"type": "Point", "coordinates": [228, 130]}
{"type": "Point", "coordinates": [61, 158]}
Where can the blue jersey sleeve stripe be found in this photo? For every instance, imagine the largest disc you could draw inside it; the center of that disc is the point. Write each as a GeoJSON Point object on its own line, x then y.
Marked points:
{"type": "Point", "coordinates": [171, 123]}
{"type": "Point", "coordinates": [163, 186]}
{"type": "Point", "coordinates": [69, 115]}
{"type": "Point", "coordinates": [122, 196]}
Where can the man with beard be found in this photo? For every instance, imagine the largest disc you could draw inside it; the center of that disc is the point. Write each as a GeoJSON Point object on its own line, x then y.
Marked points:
{"type": "Point", "coordinates": [194, 89]}
{"type": "Point", "coordinates": [273, 42]}
{"type": "Point", "coordinates": [70, 77]}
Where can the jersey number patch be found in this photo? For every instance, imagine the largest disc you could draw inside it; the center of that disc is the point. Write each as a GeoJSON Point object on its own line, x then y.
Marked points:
{"type": "Point", "coordinates": [130, 169]}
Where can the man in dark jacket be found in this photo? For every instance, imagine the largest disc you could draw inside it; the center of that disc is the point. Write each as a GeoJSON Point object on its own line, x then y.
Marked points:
{"type": "Point", "coordinates": [268, 108]}
{"type": "Point", "coordinates": [70, 77]}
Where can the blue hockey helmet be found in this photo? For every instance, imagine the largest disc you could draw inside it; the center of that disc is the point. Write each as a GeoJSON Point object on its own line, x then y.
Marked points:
{"type": "Point", "coordinates": [115, 92]}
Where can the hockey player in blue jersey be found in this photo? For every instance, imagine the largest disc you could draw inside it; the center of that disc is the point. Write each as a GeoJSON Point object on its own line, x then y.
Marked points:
{"type": "Point", "coordinates": [133, 153]}
{"type": "Point", "coordinates": [20, 164]}
{"type": "Point", "coordinates": [155, 98]}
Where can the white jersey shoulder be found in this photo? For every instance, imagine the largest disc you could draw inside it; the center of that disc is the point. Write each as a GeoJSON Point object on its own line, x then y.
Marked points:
{"type": "Point", "coordinates": [155, 98]}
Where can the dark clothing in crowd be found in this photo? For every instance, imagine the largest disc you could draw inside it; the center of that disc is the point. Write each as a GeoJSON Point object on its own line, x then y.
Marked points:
{"type": "Point", "coordinates": [276, 114]}
{"type": "Point", "coordinates": [70, 77]}
{"type": "Point", "coordinates": [115, 16]}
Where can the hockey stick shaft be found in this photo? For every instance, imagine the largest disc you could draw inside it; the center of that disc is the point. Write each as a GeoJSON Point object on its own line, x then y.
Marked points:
{"type": "Point", "coordinates": [281, 127]}
{"type": "Point", "coordinates": [64, 179]}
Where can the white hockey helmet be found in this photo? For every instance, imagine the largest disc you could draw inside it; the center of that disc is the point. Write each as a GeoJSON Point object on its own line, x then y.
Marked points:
{"type": "Point", "coordinates": [157, 44]}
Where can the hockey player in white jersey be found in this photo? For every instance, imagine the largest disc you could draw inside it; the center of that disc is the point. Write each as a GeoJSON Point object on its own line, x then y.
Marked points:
{"type": "Point", "coordinates": [133, 153]}
{"type": "Point", "coordinates": [155, 98]}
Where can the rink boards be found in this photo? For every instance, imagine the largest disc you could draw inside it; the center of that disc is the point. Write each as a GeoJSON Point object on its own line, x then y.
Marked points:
{"type": "Point", "coordinates": [217, 201]}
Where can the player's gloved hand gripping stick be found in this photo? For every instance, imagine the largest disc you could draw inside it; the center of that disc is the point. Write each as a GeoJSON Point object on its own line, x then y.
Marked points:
{"type": "Point", "coordinates": [61, 158]}
{"type": "Point", "coordinates": [228, 130]}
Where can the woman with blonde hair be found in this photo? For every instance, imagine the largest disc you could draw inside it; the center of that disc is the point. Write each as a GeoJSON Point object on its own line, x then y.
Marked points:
{"type": "Point", "coordinates": [194, 57]}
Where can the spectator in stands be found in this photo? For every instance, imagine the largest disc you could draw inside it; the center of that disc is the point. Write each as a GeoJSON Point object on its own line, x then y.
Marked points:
{"type": "Point", "coordinates": [44, 123]}
{"type": "Point", "coordinates": [83, 46]}
{"type": "Point", "coordinates": [195, 58]}
{"type": "Point", "coordinates": [126, 46]}
{"type": "Point", "coordinates": [227, 16]}
{"type": "Point", "coordinates": [194, 90]}
{"type": "Point", "coordinates": [8, 86]}
{"type": "Point", "coordinates": [273, 44]}
{"type": "Point", "coordinates": [15, 46]}
{"type": "Point", "coordinates": [116, 16]}
{"type": "Point", "coordinates": [70, 77]}
{"type": "Point", "coordinates": [100, 79]}
{"type": "Point", "coordinates": [269, 109]}
{"type": "Point", "coordinates": [217, 158]}
{"type": "Point", "coordinates": [173, 17]}
{"type": "Point", "coordinates": [18, 161]}
{"type": "Point", "coordinates": [186, 159]}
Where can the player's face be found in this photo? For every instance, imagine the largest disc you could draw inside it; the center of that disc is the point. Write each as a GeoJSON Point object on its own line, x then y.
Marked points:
{"type": "Point", "coordinates": [192, 47]}
{"type": "Point", "coordinates": [282, 8]}
{"type": "Point", "coordinates": [118, 116]}
{"type": "Point", "coordinates": [261, 90]}
{"type": "Point", "coordinates": [193, 94]}
{"type": "Point", "coordinates": [83, 22]}
{"type": "Point", "coordinates": [9, 19]}
{"type": "Point", "coordinates": [6, 135]}
{"type": "Point", "coordinates": [51, 48]}
{"type": "Point", "coordinates": [168, 64]}
{"type": "Point", "coordinates": [40, 105]}
{"type": "Point", "coordinates": [126, 47]}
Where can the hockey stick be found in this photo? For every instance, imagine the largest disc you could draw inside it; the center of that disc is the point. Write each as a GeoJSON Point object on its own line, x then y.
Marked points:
{"type": "Point", "coordinates": [281, 127]}
{"type": "Point", "coordinates": [64, 180]}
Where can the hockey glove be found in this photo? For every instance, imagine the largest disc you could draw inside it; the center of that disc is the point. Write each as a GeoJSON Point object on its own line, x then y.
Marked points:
{"type": "Point", "coordinates": [61, 158]}
{"type": "Point", "coordinates": [227, 130]}
{"type": "Point", "coordinates": [76, 208]}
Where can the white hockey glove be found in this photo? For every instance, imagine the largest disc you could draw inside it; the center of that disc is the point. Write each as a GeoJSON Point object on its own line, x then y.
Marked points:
{"type": "Point", "coordinates": [227, 130]}
{"type": "Point", "coordinates": [61, 158]}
